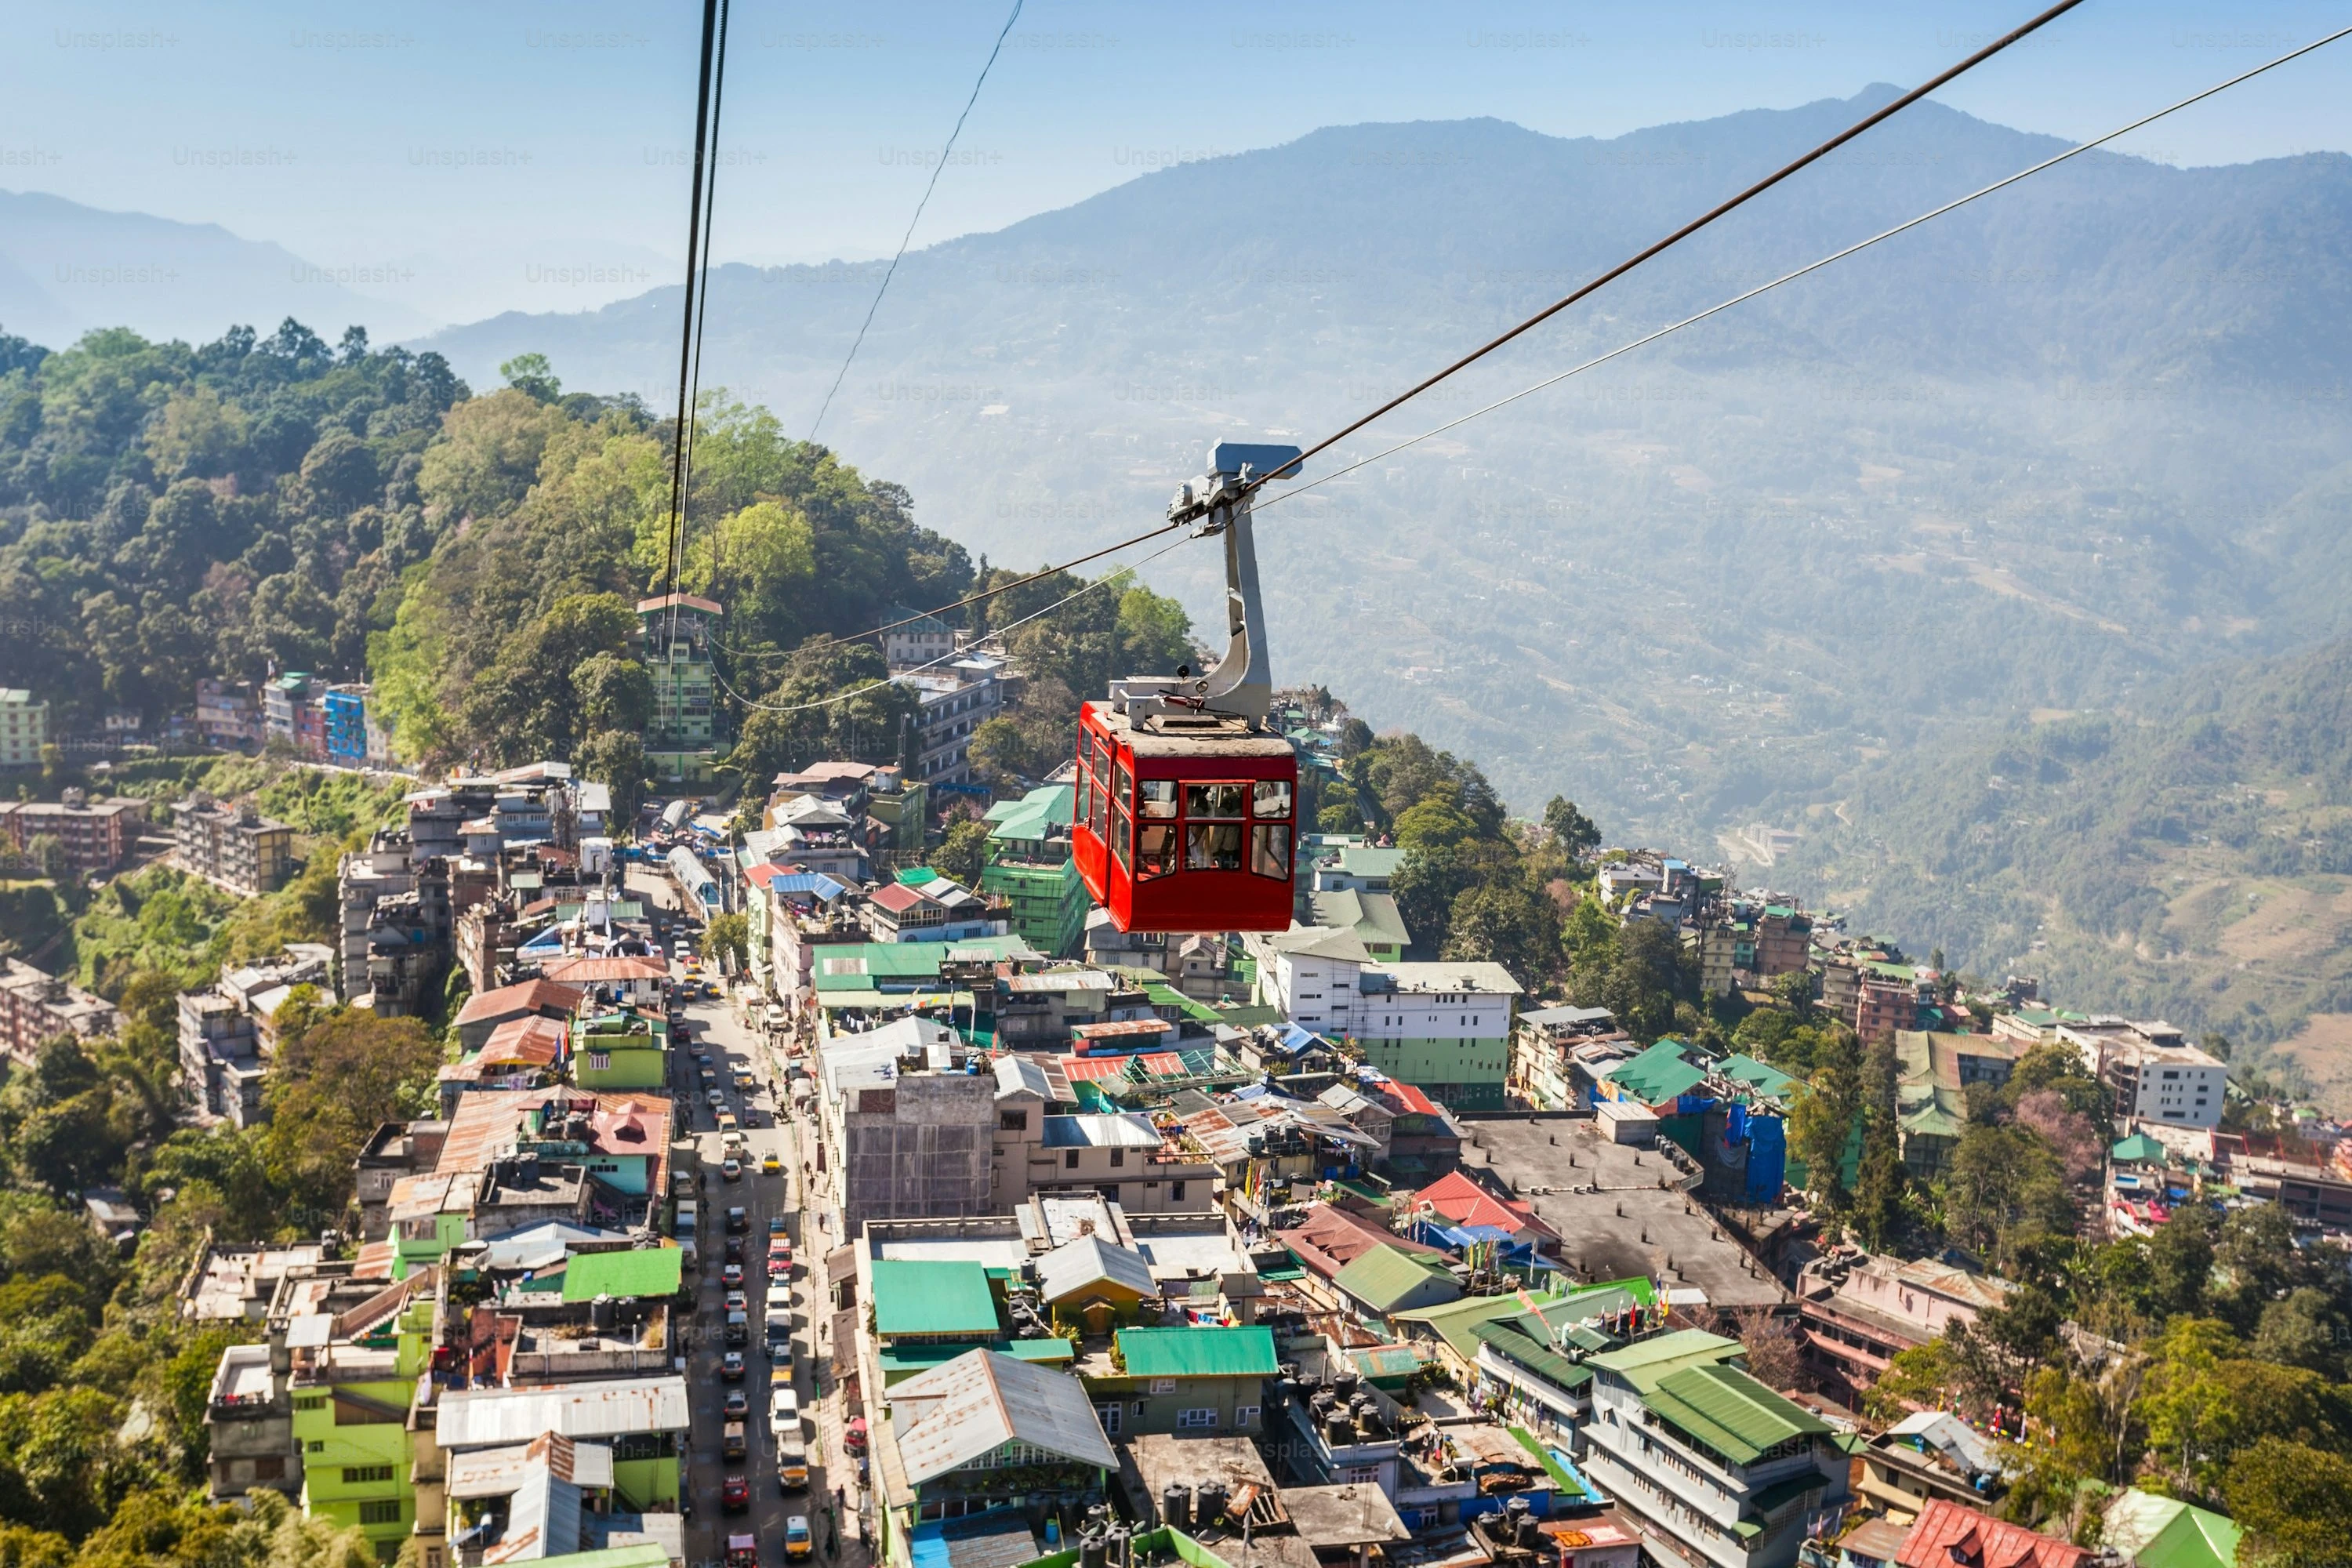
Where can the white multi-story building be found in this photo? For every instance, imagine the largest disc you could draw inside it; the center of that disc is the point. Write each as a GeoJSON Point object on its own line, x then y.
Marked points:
{"type": "Point", "coordinates": [1714, 1468]}
{"type": "Point", "coordinates": [2154, 1074]}
{"type": "Point", "coordinates": [24, 727]}
{"type": "Point", "coordinates": [1446, 1028]}
{"type": "Point", "coordinates": [1315, 974]}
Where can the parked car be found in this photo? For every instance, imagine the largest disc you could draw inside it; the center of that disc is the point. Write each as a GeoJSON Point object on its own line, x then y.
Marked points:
{"type": "Point", "coordinates": [783, 1409]}
{"type": "Point", "coordinates": [798, 1541]}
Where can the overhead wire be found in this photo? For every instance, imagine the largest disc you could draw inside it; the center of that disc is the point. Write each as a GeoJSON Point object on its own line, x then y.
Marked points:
{"type": "Point", "coordinates": [931, 185]}
{"type": "Point", "coordinates": [1941, 79]}
{"type": "Point", "coordinates": [1657, 246]}
{"type": "Point", "coordinates": [840, 697]}
{"type": "Point", "coordinates": [702, 316]}
{"type": "Point", "coordinates": [1811, 266]}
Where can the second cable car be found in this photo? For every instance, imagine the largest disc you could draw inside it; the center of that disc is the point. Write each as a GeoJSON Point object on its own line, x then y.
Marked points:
{"type": "Point", "coordinates": [1186, 818]}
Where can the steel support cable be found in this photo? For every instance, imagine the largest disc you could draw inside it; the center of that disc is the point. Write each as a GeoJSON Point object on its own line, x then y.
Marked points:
{"type": "Point", "coordinates": [841, 697]}
{"type": "Point", "coordinates": [686, 331]}
{"type": "Point", "coordinates": [890, 271]}
{"type": "Point", "coordinates": [1955, 203]}
{"type": "Point", "coordinates": [702, 315]}
{"type": "Point", "coordinates": [1700, 222]}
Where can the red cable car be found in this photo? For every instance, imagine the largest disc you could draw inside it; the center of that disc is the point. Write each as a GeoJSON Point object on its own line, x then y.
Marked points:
{"type": "Point", "coordinates": [1187, 803]}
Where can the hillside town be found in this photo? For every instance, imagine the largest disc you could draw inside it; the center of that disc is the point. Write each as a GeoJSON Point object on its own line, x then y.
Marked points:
{"type": "Point", "coordinates": [791, 1184]}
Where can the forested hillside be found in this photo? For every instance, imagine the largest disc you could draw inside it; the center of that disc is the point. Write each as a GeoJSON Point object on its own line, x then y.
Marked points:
{"type": "Point", "coordinates": [2189, 854]}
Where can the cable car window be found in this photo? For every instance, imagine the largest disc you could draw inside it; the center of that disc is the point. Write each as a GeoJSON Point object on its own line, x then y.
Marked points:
{"type": "Point", "coordinates": [1270, 798]}
{"type": "Point", "coordinates": [1120, 838]}
{"type": "Point", "coordinates": [1214, 799]}
{"type": "Point", "coordinates": [1096, 796]}
{"type": "Point", "coordinates": [1155, 798]}
{"type": "Point", "coordinates": [1213, 845]}
{"type": "Point", "coordinates": [1155, 849]}
{"type": "Point", "coordinates": [1270, 851]}
{"type": "Point", "coordinates": [1125, 790]}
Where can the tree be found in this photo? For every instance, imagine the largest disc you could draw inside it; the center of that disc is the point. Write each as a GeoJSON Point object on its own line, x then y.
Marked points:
{"type": "Point", "coordinates": [1570, 828]}
{"type": "Point", "coordinates": [336, 1083]}
{"type": "Point", "coordinates": [47, 853]}
{"type": "Point", "coordinates": [1821, 1124]}
{"type": "Point", "coordinates": [614, 692]}
{"type": "Point", "coordinates": [1154, 634]}
{"type": "Point", "coordinates": [2067, 1131]}
{"type": "Point", "coordinates": [340, 473]}
{"type": "Point", "coordinates": [2005, 1193]}
{"type": "Point", "coordinates": [963, 851]}
{"type": "Point", "coordinates": [2294, 1503]}
{"type": "Point", "coordinates": [728, 938]}
{"type": "Point", "coordinates": [1771, 1343]}
{"type": "Point", "coordinates": [1509, 924]}
{"type": "Point", "coordinates": [1878, 1211]}
{"type": "Point", "coordinates": [999, 754]}
{"type": "Point", "coordinates": [488, 456]}
{"type": "Point", "coordinates": [616, 759]}
{"type": "Point", "coordinates": [530, 374]}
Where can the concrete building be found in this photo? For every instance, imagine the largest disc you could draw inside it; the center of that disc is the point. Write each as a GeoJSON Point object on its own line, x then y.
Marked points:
{"type": "Point", "coordinates": [957, 698]}
{"type": "Point", "coordinates": [921, 640]}
{"type": "Point", "coordinates": [229, 714]}
{"type": "Point", "coordinates": [1373, 918]}
{"type": "Point", "coordinates": [233, 846]}
{"type": "Point", "coordinates": [24, 727]}
{"type": "Point", "coordinates": [1857, 1312]}
{"type": "Point", "coordinates": [1122, 1157]}
{"type": "Point", "coordinates": [933, 908]}
{"type": "Point", "coordinates": [1446, 1028]}
{"type": "Point", "coordinates": [1715, 1469]}
{"type": "Point", "coordinates": [94, 835]}
{"type": "Point", "coordinates": [354, 736]}
{"type": "Point", "coordinates": [909, 1130]}
{"type": "Point", "coordinates": [2154, 1074]}
{"type": "Point", "coordinates": [1196, 1381]}
{"type": "Point", "coordinates": [1545, 1042]}
{"type": "Point", "coordinates": [686, 737]}
{"type": "Point", "coordinates": [291, 712]}
{"type": "Point", "coordinates": [1313, 974]}
{"type": "Point", "coordinates": [810, 833]}
{"type": "Point", "coordinates": [35, 1006]}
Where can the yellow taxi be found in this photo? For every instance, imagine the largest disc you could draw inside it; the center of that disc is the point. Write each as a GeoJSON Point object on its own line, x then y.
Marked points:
{"type": "Point", "coordinates": [768, 1164]}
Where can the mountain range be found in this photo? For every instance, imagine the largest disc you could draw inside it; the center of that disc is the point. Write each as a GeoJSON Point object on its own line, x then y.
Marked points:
{"type": "Point", "coordinates": [2052, 455]}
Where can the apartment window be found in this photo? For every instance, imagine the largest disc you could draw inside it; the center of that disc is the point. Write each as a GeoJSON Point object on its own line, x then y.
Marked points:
{"type": "Point", "coordinates": [1070, 1159]}
{"type": "Point", "coordinates": [315, 1446]}
{"type": "Point", "coordinates": [1245, 1415]}
{"type": "Point", "coordinates": [1012, 1122]}
{"type": "Point", "coordinates": [269, 1467]}
{"type": "Point", "coordinates": [310, 1402]}
{"type": "Point", "coordinates": [384, 1512]}
{"type": "Point", "coordinates": [1195, 1420]}
{"type": "Point", "coordinates": [1361, 1475]}
{"type": "Point", "coordinates": [356, 1475]}
{"type": "Point", "coordinates": [1117, 1158]}
{"type": "Point", "coordinates": [1176, 1191]}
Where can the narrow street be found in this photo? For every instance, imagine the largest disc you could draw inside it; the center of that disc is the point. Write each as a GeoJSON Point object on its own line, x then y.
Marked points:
{"type": "Point", "coordinates": [717, 1033]}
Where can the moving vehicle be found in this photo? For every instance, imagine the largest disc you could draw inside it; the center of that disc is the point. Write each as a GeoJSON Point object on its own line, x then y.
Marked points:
{"type": "Point", "coordinates": [734, 1249]}
{"type": "Point", "coordinates": [779, 1267]}
{"type": "Point", "coordinates": [714, 1099]}
{"type": "Point", "coordinates": [731, 1366]}
{"type": "Point", "coordinates": [783, 1410]}
{"type": "Point", "coordinates": [739, 1328]}
{"type": "Point", "coordinates": [770, 1165]}
{"type": "Point", "coordinates": [739, 1406]}
{"type": "Point", "coordinates": [733, 1443]}
{"type": "Point", "coordinates": [743, 1552]}
{"type": "Point", "coordinates": [779, 1323]}
{"type": "Point", "coordinates": [1184, 818]}
{"type": "Point", "coordinates": [731, 1276]}
{"type": "Point", "coordinates": [734, 1494]}
{"type": "Point", "coordinates": [731, 1169]}
{"type": "Point", "coordinates": [792, 1463]}
{"type": "Point", "coordinates": [736, 1302]}
{"type": "Point", "coordinates": [775, 1224]}
{"type": "Point", "coordinates": [798, 1543]}
{"type": "Point", "coordinates": [738, 1220]}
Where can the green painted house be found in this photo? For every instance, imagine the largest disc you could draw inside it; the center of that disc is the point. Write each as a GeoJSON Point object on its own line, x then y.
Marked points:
{"type": "Point", "coordinates": [1029, 864]}
{"type": "Point", "coordinates": [351, 1400]}
{"type": "Point", "coordinates": [1190, 1381]}
{"type": "Point", "coordinates": [620, 1050]}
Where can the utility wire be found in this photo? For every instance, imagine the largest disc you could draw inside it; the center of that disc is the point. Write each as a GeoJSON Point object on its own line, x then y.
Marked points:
{"type": "Point", "coordinates": [841, 697]}
{"type": "Point", "coordinates": [930, 186]}
{"type": "Point", "coordinates": [1700, 222]}
{"type": "Point", "coordinates": [1652, 337]}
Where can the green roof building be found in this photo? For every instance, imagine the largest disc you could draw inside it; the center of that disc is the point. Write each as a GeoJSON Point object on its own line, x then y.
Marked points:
{"type": "Point", "coordinates": [1711, 1465]}
{"type": "Point", "coordinates": [620, 1050]}
{"type": "Point", "coordinates": [1389, 1279]}
{"type": "Point", "coordinates": [1029, 864]}
{"type": "Point", "coordinates": [1190, 1381]}
{"type": "Point", "coordinates": [2154, 1532]}
{"type": "Point", "coordinates": [1373, 918]}
{"type": "Point", "coordinates": [922, 1299]}
{"type": "Point", "coordinates": [635, 1273]}
{"type": "Point", "coordinates": [1658, 1077]}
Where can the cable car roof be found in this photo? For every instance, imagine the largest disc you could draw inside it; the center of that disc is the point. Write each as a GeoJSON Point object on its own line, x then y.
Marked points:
{"type": "Point", "coordinates": [1210, 735]}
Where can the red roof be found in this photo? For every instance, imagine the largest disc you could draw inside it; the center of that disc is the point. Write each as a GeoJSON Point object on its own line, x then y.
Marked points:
{"type": "Point", "coordinates": [760, 875]}
{"type": "Point", "coordinates": [1330, 1239]}
{"type": "Point", "coordinates": [1948, 1535]}
{"type": "Point", "coordinates": [897, 898]}
{"type": "Point", "coordinates": [1465, 1202]}
{"type": "Point", "coordinates": [533, 1040]}
{"type": "Point", "coordinates": [600, 970]}
{"type": "Point", "coordinates": [1406, 1099]}
{"type": "Point", "coordinates": [513, 1001]}
{"type": "Point", "coordinates": [1082, 1069]}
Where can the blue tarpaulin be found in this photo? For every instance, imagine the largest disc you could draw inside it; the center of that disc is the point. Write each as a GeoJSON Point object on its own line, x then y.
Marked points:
{"type": "Point", "coordinates": [1768, 1159]}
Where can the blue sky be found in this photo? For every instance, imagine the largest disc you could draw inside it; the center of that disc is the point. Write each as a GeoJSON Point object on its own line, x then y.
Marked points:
{"type": "Point", "coordinates": [485, 144]}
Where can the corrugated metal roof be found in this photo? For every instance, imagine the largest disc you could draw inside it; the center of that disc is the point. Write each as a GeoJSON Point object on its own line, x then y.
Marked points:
{"type": "Point", "coordinates": [977, 1402]}
{"type": "Point", "coordinates": [1090, 1261]}
{"type": "Point", "coordinates": [482, 1418]}
{"type": "Point", "coordinates": [1644, 1363]}
{"type": "Point", "coordinates": [1131, 1129]}
{"type": "Point", "coordinates": [1386, 1277]}
{"type": "Point", "coordinates": [922, 1296]}
{"type": "Point", "coordinates": [1245, 1351]}
{"type": "Point", "coordinates": [640, 1271]}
